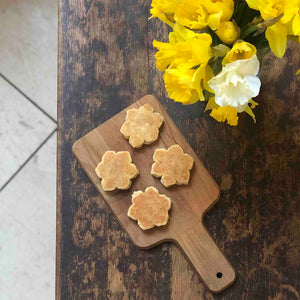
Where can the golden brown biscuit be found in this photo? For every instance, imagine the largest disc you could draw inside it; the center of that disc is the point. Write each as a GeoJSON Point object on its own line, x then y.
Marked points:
{"type": "Point", "coordinates": [172, 165]}
{"type": "Point", "coordinates": [116, 170]}
{"type": "Point", "coordinates": [149, 208]}
{"type": "Point", "coordinates": [141, 126]}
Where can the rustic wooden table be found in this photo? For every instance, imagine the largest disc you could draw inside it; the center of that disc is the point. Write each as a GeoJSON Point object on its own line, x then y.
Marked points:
{"type": "Point", "coordinates": [106, 62]}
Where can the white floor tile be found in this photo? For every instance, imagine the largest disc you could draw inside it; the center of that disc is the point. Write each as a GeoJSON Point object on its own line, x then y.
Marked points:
{"type": "Point", "coordinates": [27, 229]}
{"type": "Point", "coordinates": [23, 128]}
{"type": "Point", "coordinates": [28, 48]}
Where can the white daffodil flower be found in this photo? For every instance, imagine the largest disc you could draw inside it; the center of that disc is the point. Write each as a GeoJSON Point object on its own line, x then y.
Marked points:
{"type": "Point", "coordinates": [237, 83]}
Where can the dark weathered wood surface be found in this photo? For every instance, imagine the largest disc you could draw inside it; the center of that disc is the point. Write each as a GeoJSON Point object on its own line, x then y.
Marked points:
{"type": "Point", "coordinates": [105, 63]}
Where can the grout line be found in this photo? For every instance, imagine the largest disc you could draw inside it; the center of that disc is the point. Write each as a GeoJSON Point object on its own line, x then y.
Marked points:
{"type": "Point", "coordinates": [29, 99]}
{"type": "Point", "coordinates": [27, 160]}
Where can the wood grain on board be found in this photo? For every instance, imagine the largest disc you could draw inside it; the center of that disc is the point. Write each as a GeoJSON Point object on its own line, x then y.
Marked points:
{"type": "Point", "coordinates": [106, 62]}
{"type": "Point", "coordinates": [189, 203]}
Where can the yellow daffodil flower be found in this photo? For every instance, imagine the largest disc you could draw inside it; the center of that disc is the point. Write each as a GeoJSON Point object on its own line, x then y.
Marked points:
{"type": "Point", "coordinates": [185, 57]}
{"type": "Point", "coordinates": [228, 32]}
{"type": "Point", "coordinates": [241, 50]}
{"type": "Point", "coordinates": [184, 47]}
{"type": "Point", "coordinates": [227, 113]}
{"type": "Point", "coordinates": [185, 85]}
{"type": "Point", "coordinates": [168, 54]}
{"type": "Point", "coordinates": [288, 12]}
{"type": "Point", "coordinates": [197, 14]}
{"type": "Point", "coordinates": [164, 10]}
{"type": "Point", "coordinates": [180, 86]}
{"type": "Point", "coordinates": [298, 72]}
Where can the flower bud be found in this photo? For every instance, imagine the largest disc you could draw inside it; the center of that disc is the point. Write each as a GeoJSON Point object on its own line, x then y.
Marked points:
{"type": "Point", "coordinates": [228, 32]}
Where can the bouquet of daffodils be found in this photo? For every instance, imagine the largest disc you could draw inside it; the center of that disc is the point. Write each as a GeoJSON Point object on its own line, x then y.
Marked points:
{"type": "Point", "coordinates": [215, 48]}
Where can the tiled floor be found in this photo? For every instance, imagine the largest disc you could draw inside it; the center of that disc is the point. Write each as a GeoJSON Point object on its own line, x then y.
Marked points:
{"type": "Point", "coordinates": [28, 60]}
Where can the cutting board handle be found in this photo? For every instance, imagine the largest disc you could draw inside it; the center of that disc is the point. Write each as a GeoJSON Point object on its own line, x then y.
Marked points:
{"type": "Point", "coordinates": [201, 250]}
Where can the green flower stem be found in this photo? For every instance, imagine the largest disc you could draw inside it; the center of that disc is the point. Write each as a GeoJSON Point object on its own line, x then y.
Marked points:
{"type": "Point", "coordinates": [248, 31]}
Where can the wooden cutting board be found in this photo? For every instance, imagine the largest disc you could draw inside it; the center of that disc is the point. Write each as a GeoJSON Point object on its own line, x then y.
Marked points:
{"type": "Point", "coordinates": [189, 203]}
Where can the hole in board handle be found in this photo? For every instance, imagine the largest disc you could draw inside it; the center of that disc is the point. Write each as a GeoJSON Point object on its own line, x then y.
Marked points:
{"type": "Point", "coordinates": [219, 275]}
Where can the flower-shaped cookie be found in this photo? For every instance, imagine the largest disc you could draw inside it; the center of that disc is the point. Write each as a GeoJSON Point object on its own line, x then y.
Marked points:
{"type": "Point", "coordinates": [141, 126]}
{"type": "Point", "coordinates": [172, 165]}
{"type": "Point", "coordinates": [149, 208]}
{"type": "Point", "coordinates": [116, 170]}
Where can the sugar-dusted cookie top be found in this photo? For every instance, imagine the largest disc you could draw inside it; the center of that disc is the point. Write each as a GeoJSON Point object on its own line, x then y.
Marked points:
{"type": "Point", "coordinates": [149, 208]}
{"type": "Point", "coordinates": [172, 165]}
{"type": "Point", "coordinates": [141, 126]}
{"type": "Point", "coordinates": [116, 169]}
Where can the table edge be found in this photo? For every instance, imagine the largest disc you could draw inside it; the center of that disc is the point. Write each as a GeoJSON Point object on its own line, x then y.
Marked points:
{"type": "Point", "coordinates": [58, 159]}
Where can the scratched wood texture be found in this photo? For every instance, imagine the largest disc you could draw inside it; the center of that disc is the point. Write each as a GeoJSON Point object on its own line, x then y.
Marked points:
{"type": "Point", "coordinates": [106, 63]}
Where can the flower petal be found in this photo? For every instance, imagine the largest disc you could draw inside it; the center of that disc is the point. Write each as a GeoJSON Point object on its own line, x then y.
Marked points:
{"type": "Point", "coordinates": [245, 66]}
{"type": "Point", "coordinates": [222, 114]}
{"type": "Point", "coordinates": [251, 65]}
{"type": "Point", "coordinates": [296, 24]}
{"type": "Point", "coordinates": [277, 38]}
{"type": "Point", "coordinates": [214, 20]}
{"type": "Point", "coordinates": [254, 85]}
{"type": "Point", "coordinates": [254, 4]}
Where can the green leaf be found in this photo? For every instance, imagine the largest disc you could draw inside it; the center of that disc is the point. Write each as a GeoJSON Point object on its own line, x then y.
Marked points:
{"type": "Point", "coordinates": [248, 31]}
{"type": "Point", "coordinates": [220, 50]}
{"type": "Point", "coordinates": [243, 15]}
{"type": "Point", "coordinates": [217, 66]}
{"type": "Point", "coordinates": [215, 39]}
{"type": "Point", "coordinates": [239, 12]}
{"type": "Point", "coordinates": [262, 52]}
